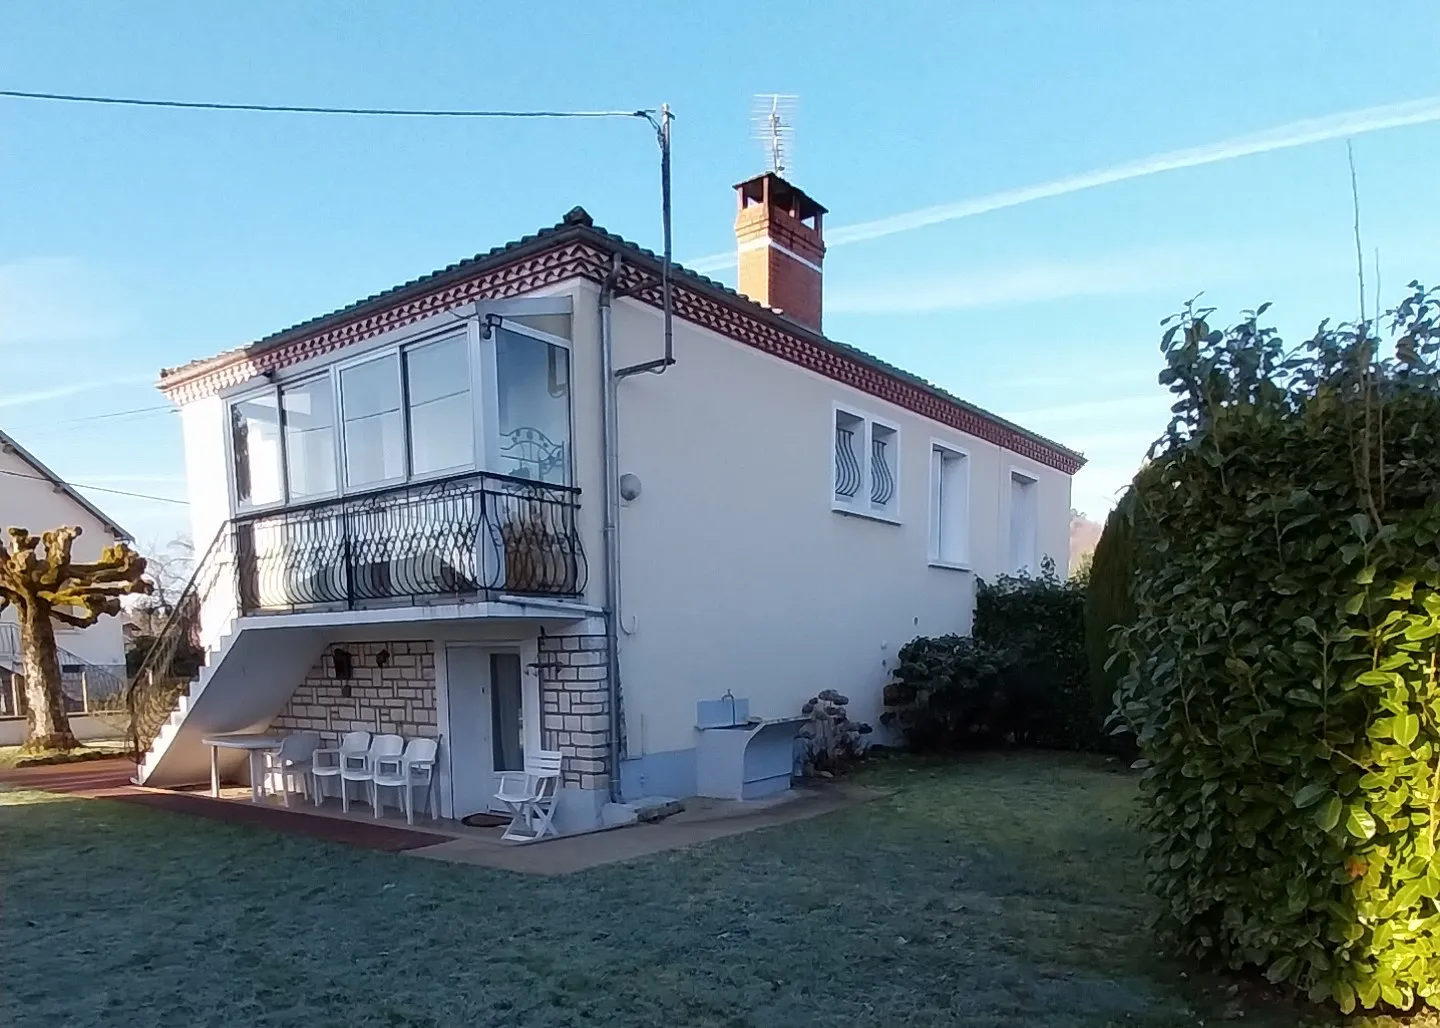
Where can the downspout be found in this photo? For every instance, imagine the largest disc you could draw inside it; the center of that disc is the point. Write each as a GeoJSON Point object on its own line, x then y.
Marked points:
{"type": "Point", "coordinates": [610, 443]}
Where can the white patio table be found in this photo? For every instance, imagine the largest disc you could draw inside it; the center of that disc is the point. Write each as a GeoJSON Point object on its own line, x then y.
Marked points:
{"type": "Point", "coordinates": [255, 745]}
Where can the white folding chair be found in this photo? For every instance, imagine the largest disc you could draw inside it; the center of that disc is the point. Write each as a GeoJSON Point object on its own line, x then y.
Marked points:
{"type": "Point", "coordinates": [291, 763]}
{"type": "Point", "coordinates": [328, 761]}
{"type": "Point", "coordinates": [415, 767]}
{"type": "Point", "coordinates": [360, 767]}
{"type": "Point", "coordinates": [529, 795]}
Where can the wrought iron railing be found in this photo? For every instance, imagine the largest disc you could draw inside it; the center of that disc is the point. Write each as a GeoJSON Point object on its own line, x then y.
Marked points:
{"type": "Point", "coordinates": [462, 537]}
{"type": "Point", "coordinates": [179, 648]}
{"type": "Point", "coordinates": [466, 537]}
{"type": "Point", "coordinates": [87, 687]}
{"type": "Point", "coordinates": [847, 465]}
{"type": "Point", "coordinates": [882, 481]}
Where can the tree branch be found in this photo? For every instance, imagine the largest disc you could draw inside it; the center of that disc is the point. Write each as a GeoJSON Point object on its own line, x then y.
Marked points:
{"type": "Point", "coordinates": [77, 620]}
{"type": "Point", "coordinates": [58, 544]}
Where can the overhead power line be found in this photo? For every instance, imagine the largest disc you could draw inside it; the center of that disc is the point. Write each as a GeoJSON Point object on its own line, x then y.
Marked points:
{"type": "Point", "coordinates": [381, 112]}
{"type": "Point", "coordinates": [99, 488]}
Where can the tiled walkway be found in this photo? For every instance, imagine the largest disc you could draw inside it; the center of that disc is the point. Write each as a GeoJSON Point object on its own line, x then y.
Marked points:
{"type": "Point", "coordinates": [702, 821]}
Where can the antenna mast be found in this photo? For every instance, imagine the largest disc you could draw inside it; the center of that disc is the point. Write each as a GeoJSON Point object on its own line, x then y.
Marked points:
{"type": "Point", "coordinates": [774, 120]}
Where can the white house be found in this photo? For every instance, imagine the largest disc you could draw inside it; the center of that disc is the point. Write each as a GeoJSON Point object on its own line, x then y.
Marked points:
{"type": "Point", "coordinates": [489, 505]}
{"type": "Point", "coordinates": [92, 660]}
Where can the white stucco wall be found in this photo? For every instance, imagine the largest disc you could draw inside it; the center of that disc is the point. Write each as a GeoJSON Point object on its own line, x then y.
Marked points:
{"type": "Point", "coordinates": [738, 575]}
{"type": "Point", "coordinates": [39, 505]}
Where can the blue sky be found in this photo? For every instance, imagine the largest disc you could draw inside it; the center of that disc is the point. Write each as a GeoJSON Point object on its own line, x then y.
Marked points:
{"type": "Point", "coordinates": [135, 239]}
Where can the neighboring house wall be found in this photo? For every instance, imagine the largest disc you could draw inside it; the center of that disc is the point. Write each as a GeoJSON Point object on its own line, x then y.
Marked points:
{"type": "Point", "coordinates": [35, 503]}
{"type": "Point", "coordinates": [737, 573]}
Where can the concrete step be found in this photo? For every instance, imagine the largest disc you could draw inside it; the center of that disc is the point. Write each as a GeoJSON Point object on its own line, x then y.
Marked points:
{"type": "Point", "coordinates": [654, 808]}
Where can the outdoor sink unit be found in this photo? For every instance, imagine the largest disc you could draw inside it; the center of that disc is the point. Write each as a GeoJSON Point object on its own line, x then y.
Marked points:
{"type": "Point", "coordinates": [739, 757]}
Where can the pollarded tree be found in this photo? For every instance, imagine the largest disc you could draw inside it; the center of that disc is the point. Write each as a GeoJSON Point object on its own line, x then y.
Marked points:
{"type": "Point", "coordinates": [49, 588]}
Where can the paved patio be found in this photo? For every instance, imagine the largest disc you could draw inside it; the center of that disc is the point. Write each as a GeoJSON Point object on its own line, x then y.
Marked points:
{"type": "Point", "coordinates": [703, 820]}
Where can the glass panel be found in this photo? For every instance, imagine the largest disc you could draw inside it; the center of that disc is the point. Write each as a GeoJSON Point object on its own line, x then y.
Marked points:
{"type": "Point", "coordinates": [534, 408]}
{"type": "Point", "coordinates": [507, 717]}
{"type": "Point", "coordinates": [442, 424]}
{"type": "Point", "coordinates": [255, 436]}
{"type": "Point", "coordinates": [557, 325]}
{"type": "Point", "coordinates": [374, 429]}
{"type": "Point", "coordinates": [309, 438]}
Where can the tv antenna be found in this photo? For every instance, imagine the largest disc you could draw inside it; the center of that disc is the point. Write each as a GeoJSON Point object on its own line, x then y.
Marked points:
{"type": "Point", "coordinates": [774, 120]}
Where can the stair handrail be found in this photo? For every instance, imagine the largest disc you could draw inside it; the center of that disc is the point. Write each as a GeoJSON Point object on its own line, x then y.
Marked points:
{"type": "Point", "coordinates": [153, 689]}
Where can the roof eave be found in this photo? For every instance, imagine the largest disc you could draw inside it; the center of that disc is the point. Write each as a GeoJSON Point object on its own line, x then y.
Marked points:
{"type": "Point", "coordinates": [7, 442]}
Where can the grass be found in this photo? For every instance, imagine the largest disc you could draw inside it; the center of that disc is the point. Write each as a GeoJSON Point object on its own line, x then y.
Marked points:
{"type": "Point", "coordinates": [1002, 890]}
{"type": "Point", "coordinates": [10, 756]}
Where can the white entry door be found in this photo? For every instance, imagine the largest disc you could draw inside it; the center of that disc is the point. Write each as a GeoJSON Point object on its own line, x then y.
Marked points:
{"type": "Point", "coordinates": [487, 723]}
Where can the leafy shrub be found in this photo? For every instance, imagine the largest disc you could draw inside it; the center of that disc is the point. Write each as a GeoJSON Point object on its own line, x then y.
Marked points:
{"type": "Point", "coordinates": [184, 665]}
{"type": "Point", "coordinates": [946, 694]}
{"type": "Point", "coordinates": [1036, 626]}
{"type": "Point", "coordinates": [1021, 678]}
{"type": "Point", "coordinates": [1283, 656]}
{"type": "Point", "coordinates": [1109, 603]}
{"type": "Point", "coordinates": [830, 742]}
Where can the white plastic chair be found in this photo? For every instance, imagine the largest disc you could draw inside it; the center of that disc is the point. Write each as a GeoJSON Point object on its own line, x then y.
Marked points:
{"type": "Point", "coordinates": [291, 763]}
{"type": "Point", "coordinates": [416, 767]}
{"type": "Point", "coordinates": [328, 761]}
{"type": "Point", "coordinates": [360, 767]}
{"type": "Point", "coordinates": [529, 795]}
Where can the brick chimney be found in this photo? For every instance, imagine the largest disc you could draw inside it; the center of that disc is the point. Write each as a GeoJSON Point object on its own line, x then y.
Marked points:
{"type": "Point", "coordinates": [781, 247]}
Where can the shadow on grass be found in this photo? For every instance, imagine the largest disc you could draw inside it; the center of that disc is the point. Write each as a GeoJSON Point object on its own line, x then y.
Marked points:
{"type": "Point", "coordinates": [1002, 890]}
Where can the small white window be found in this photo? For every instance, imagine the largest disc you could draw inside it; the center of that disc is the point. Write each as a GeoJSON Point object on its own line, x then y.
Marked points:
{"type": "Point", "coordinates": [866, 476]}
{"type": "Point", "coordinates": [1024, 524]}
{"type": "Point", "coordinates": [949, 506]}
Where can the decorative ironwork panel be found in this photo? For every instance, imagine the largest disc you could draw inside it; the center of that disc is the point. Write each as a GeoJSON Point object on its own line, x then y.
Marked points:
{"type": "Point", "coordinates": [847, 464]}
{"type": "Point", "coordinates": [459, 537]}
{"type": "Point", "coordinates": [882, 479]}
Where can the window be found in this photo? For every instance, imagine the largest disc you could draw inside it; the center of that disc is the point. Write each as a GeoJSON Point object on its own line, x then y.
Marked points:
{"type": "Point", "coordinates": [949, 506]}
{"type": "Point", "coordinates": [411, 411]}
{"type": "Point", "coordinates": [1024, 524]}
{"type": "Point", "coordinates": [309, 420]}
{"type": "Point", "coordinates": [442, 421]}
{"type": "Point", "coordinates": [866, 476]}
{"type": "Point", "coordinates": [507, 713]}
{"type": "Point", "coordinates": [374, 428]}
{"type": "Point", "coordinates": [533, 383]}
{"type": "Point", "coordinates": [255, 447]}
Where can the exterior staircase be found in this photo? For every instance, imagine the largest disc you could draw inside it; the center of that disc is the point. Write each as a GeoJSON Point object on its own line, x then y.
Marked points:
{"type": "Point", "coordinates": [248, 676]}
{"type": "Point", "coordinates": [247, 673]}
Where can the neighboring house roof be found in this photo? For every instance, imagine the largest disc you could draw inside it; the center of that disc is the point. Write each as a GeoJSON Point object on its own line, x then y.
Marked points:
{"type": "Point", "coordinates": [9, 445]}
{"type": "Point", "coordinates": [577, 247]}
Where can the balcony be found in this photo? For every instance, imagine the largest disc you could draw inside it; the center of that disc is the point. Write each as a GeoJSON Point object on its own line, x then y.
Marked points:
{"type": "Point", "coordinates": [479, 536]}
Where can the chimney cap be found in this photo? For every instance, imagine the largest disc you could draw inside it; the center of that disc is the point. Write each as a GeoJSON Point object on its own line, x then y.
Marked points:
{"type": "Point", "coordinates": [781, 194]}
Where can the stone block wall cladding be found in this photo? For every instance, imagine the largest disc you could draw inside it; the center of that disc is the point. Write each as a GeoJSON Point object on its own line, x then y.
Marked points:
{"type": "Point", "coordinates": [575, 707]}
{"type": "Point", "coordinates": [397, 699]}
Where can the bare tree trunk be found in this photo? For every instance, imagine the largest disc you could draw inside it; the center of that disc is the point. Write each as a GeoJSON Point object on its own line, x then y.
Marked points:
{"type": "Point", "coordinates": [49, 727]}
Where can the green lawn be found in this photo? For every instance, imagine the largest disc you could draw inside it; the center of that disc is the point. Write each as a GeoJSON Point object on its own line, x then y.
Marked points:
{"type": "Point", "coordinates": [1002, 890]}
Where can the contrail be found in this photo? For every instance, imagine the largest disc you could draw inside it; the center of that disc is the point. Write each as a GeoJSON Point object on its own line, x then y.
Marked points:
{"type": "Point", "coordinates": [1282, 137]}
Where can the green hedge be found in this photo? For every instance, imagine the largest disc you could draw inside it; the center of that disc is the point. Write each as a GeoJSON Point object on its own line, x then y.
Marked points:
{"type": "Point", "coordinates": [1021, 678]}
{"type": "Point", "coordinates": [1283, 656]}
{"type": "Point", "coordinates": [1109, 604]}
